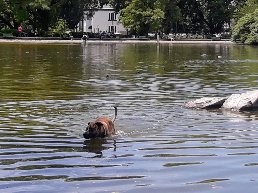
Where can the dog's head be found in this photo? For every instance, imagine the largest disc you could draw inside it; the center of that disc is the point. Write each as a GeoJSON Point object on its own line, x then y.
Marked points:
{"type": "Point", "coordinates": [95, 130]}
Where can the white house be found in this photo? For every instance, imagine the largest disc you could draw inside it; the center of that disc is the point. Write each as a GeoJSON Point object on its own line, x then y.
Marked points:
{"type": "Point", "coordinates": [102, 20]}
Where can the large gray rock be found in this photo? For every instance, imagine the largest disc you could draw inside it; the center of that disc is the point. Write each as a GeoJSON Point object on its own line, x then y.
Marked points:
{"type": "Point", "coordinates": [242, 102]}
{"type": "Point", "coordinates": [206, 103]}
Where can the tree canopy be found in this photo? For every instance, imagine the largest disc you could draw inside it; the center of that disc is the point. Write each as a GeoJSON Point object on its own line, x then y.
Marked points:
{"type": "Point", "coordinates": [140, 16]}
{"type": "Point", "coordinates": [249, 6]}
{"type": "Point", "coordinates": [246, 27]}
{"type": "Point", "coordinates": [190, 16]}
{"type": "Point", "coordinates": [42, 15]}
{"type": "Point", "coordinates": [143, 16]}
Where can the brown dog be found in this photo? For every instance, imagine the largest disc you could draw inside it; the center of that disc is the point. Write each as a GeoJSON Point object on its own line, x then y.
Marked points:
{"type": "Point", "coordinates": [101, 127]}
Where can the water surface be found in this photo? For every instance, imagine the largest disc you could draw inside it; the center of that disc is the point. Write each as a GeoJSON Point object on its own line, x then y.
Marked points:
{"type": "Point", "coordinates": [48, 93]}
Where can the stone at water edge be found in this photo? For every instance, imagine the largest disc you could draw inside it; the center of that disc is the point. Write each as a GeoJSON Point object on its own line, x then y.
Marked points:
{"type": "Point", "coordinates": [242, 102]}
{"type": "Point", "coordinates": [206, 103]}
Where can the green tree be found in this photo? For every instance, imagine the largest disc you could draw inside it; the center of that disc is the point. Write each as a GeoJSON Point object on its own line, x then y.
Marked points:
{"type": "Point", "coordinates": [142, 16]}
{"type": "Point", "coordinates": [193, 16]}
{"type": "Point", "coordinates": [249, 6]}
{"type": "Point", "coordinates": [40, 15]}
{"type": "Point", "coordinates": [60, 28]}
{"type": "Point", "coordinates": [12, 12]}
{"type": "Point", "coordinates": [27, 12]}
{"type": "Point", "coordinates": [118, 5]}
{"type": "Point", "coordinates": [172, 16]}
{"type": "Point", "coordinates": [210, 15]}
{"type": "Point", "coordinates": [246, 29]}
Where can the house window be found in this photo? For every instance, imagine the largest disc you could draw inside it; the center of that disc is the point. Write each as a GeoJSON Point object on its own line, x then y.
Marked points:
{"type": "Point", "coordinates": [112, 17]}
{"type": "Point", "coordinates": [96, 30]}
{"type": "Point", "coordinates": [112, 29]}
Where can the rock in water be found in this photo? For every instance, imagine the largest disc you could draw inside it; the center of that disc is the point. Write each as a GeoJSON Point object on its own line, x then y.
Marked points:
{"type": "Point", "coordinates": [242, 102]}
{"type": "Point", "coordinates": [206, 103]}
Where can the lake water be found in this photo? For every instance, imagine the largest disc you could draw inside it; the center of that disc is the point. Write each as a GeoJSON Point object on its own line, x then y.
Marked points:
{"type": "Point", "coordinates": [48, 94]}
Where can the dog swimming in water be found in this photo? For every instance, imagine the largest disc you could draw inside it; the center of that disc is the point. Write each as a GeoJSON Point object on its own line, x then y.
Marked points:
{"type": "Point", "coordinates": [101, 127]}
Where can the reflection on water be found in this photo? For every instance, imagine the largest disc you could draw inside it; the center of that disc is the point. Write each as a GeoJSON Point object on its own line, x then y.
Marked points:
{"type": "Point", "coordinates": [49, 92]}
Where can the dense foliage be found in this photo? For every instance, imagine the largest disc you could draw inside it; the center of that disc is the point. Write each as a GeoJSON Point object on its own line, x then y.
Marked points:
{"type": "Point", "coordinates": [248, 7]}
{"type": "Point", "coordinates": [188, 16]}
{"type": "Point", "coordinates": [39, 16]}
{"type": "Point", "coordinates": [140, 16]}
{"type": "Point", "coordinates": [246, 29]}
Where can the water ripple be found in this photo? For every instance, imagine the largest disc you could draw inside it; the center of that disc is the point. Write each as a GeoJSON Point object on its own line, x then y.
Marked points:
{"type": "Point", "coordinates": [49, 96]}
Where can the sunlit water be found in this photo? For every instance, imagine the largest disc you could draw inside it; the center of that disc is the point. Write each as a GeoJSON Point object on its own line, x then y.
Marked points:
{"type": "Point", "coordinates": [49, 93]}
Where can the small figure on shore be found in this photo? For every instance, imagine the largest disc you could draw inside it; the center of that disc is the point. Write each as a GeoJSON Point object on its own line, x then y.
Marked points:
{"type": "Point", "coordinates": [84, 38]}
{"type": "Point", "coordinates": [19, 30]}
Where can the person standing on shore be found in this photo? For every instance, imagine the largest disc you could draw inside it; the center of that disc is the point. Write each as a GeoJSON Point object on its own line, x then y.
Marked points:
{"type": "Point", "coordinates": [84, 38]}
{"type": "Point", "coordinates": [20, 30]}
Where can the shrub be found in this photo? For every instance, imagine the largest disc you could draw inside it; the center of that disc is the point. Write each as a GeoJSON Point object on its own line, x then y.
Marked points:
{"type": "Point", "coordinates": [8, 31]}
{"type": "Point", "coordinates": [60, 28]}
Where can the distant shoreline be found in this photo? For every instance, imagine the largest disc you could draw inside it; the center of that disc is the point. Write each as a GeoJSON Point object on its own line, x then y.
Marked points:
{"type": "Point", "coordinates": [79, 41]}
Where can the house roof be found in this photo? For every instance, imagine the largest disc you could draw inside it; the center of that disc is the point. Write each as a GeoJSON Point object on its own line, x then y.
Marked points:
{"type": "Point", "coordinates": [104, 8]}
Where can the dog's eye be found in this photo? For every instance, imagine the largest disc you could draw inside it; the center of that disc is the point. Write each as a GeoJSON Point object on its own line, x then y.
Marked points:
{"type": "Point", "coordinates": [88, 123]}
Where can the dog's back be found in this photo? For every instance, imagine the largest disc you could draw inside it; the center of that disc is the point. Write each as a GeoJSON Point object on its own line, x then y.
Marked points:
{"type": "Point", "coordinates": [107, 123]}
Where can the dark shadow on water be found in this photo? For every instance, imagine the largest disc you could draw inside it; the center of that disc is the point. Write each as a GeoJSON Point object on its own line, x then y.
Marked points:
{"type": "Point", "coordinates": [243, 115]}
{"type": "Point", "coordinates": [98, 145]}
{"type": "Point", "coordinates": [247, 115]}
